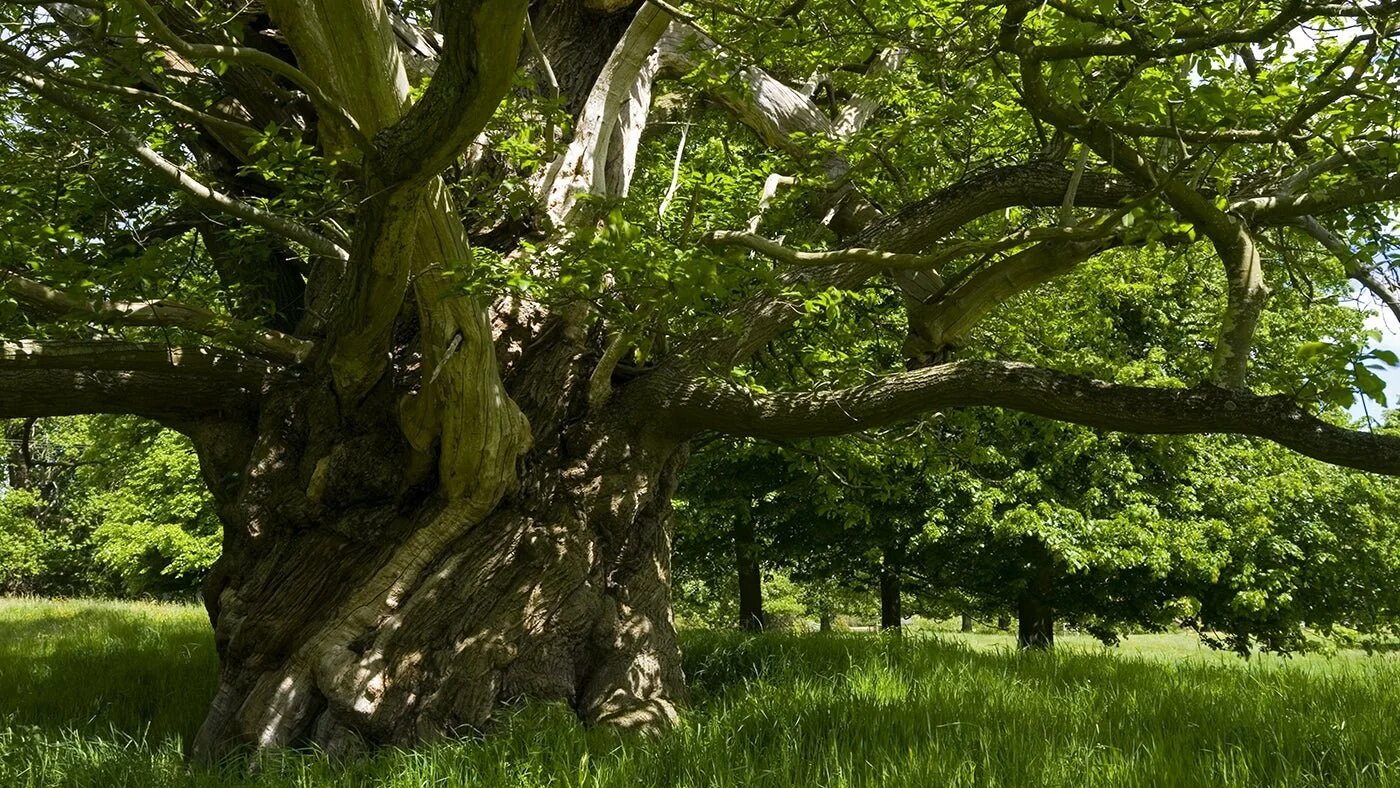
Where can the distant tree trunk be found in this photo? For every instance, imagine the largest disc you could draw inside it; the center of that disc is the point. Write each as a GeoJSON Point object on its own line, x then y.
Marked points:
{"type": "Point", "coordinates": [826, 621]}
{"type": "Point", "coordinates": [891, 615]}
{"type": "Point", "coordinates": [751, 617]}
{"type": "Point", "coordinates": [1003, 622]}
{"type": "Point", "coordinates": [1036, 617]}
{"type": "Point", "coordinates": [18, 434]}
{"type": "Point", "coordinates": [966, 622]}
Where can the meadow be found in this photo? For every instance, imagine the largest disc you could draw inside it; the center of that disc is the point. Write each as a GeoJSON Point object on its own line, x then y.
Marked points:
{"type": "Point", "coordinates": [105, 693]}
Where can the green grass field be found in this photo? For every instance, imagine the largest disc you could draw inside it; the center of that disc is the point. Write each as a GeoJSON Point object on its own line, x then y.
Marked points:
{"type": "Point", "coordinates": [106, 694]}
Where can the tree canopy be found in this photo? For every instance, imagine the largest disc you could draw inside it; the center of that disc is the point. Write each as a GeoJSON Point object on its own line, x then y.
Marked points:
{"type": "Point", "coordinates": [441, 293]}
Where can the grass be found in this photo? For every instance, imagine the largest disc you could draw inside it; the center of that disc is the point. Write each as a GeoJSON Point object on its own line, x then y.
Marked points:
{"type": "Point", "coordinates": [97, 693]}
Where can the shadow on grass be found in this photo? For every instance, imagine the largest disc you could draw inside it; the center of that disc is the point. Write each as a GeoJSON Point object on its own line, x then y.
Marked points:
{"type": "Point", "coordinates": [766, 710]}
{"type": "Point", "coordinates": [100, 668]}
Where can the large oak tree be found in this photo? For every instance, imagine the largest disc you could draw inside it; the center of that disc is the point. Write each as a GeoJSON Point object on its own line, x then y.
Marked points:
{"type": "Point", "coordinates": [441, 489]}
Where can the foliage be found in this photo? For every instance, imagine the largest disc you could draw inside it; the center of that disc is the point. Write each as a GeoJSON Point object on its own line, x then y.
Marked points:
{"type": "Point", "coordinates": [124, 511]}
{"type": "Point", "coordinates": [22, 544]}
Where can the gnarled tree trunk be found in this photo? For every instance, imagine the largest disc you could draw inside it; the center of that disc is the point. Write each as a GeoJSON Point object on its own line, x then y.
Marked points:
{"type": "Point", "coordinates": [351, 608]}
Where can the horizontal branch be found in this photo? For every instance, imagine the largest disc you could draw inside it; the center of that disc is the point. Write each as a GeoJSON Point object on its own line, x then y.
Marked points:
{"type": "Point", "coordinates": [265, 342]}
{"type": "Point", "coordinates": [788, 256]}
{"type": "Point", "coordinates": [1038, 184]}
{"type": "Point", "coordinates": [1180, 42]}
{"type": "Point", "coordinates": [1021, 387]}
{"type": "Point", "coordinates": [54, 378]}
{"type": "Point", "coordinates": [1332, 198]}
{"type": "Point", "coordinates": [937, 256]}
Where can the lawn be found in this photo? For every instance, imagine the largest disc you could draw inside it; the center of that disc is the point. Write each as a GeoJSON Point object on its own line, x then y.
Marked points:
{"type": "Point", "coordinates": [98, 693]}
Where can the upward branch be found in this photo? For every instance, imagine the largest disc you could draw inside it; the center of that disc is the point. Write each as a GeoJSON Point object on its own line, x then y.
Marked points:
{"type": "Point", "coordinates": [482, 40]}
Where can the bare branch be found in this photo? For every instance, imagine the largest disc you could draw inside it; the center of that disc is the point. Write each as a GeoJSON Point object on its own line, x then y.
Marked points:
{"type": "Point", "coordinates": [1355, 267]}
{"type": "Point", "coordinates": [582, 167]}
{"type": "Point", "coordinates": [208, 119]}
{"type": "Point", "coordinates": [783, 254]}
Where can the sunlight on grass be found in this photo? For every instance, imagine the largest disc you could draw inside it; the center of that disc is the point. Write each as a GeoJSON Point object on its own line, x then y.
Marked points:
{"type": "Point", "coordinates": [96, 693]}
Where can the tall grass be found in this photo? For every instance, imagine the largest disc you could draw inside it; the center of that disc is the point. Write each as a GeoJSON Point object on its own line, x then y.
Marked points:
{"type": "Point", "coordinates": [106, 694]}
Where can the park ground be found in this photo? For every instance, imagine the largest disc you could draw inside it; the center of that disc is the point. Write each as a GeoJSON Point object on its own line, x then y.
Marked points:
{"type": "Point", "coordinates": [107, 694]}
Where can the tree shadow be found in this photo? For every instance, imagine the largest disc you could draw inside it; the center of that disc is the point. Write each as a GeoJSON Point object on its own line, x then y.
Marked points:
{"type": "Point", "coordinates": [97, 669]}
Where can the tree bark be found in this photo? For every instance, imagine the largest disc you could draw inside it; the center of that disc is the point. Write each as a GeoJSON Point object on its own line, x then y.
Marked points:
{"type": "Point", "coordinates": [825, 622]}
{"type": "Point", "coordinates": [891, 614]}
{"type": "Point", "coordinates": [751, 616]}
{"type": "Point", "coordinates": [966, 623]}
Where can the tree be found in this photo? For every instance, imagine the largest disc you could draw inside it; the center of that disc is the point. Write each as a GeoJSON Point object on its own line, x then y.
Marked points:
{"type": "Point", "coordinates": [108, 506]}
{"type": "Point", "coordinates": [441, 382]}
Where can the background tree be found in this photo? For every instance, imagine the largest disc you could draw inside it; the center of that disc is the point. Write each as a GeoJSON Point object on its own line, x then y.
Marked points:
{"type": "Point", "coordinates": [107, 506]}
{"type": "Point", "coordinates": [441, 381]}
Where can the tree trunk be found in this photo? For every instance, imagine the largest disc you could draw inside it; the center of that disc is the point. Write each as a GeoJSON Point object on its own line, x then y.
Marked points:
{"type": "Point", "coordinates": [353, 606]}
{"type": "Point", "coordinates": [751, 617]}
{"type": "Point", "coordinates": [825, 622]}
{"type": "Point", "coordinates": [1004, 622]}
{"type": "Point", "coordinates": [891, 616]}
{"type": "Point", "coordinates": [1035, 614]}
{"type": "Point", "coordinates": [966, 622]}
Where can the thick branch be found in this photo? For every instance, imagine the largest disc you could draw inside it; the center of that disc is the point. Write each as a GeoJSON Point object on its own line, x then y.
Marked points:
{"type": "Point", "coordinates": [155, 381]}
{"type": "Point", "coordinates": [264, 342]}
{"type": "Point", "coordinates": [481, 48]}
{"type": "Point", "coordinates": [624, 82]}
{"type": "Point", "coordinates": [1337, 197]}
{"type": "Point", "coordinates": [958, 312]}
{"type": "Point", "coordinates": [1042, 392]}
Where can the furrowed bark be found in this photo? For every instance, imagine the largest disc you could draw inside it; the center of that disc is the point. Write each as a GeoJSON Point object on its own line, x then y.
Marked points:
{"type": "Point", "coordinates": [349, 611]}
